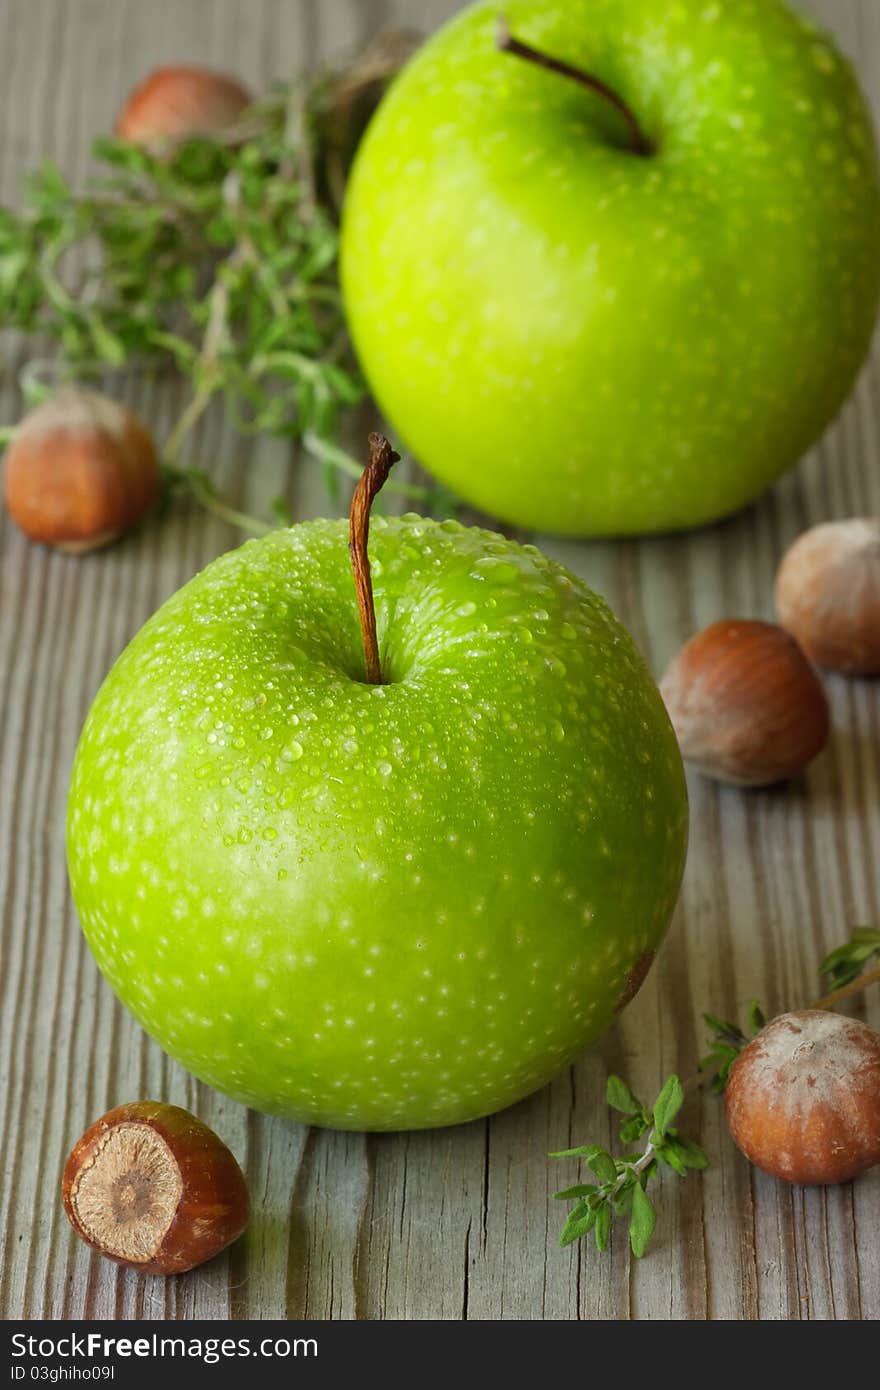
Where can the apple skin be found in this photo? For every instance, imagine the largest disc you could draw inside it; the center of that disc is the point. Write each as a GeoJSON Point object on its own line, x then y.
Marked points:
{"type": "Point", "coordinates": [584, 341]}
{"type": "Point", "coordinates": [377, 907]}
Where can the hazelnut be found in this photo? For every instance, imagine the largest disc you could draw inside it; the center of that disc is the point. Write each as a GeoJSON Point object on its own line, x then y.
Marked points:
{"type": "Point", "coordinates": [80, 470]}
{"type": "Point", "coordinates": [745, 704]}
{"type": "Point", "coordinates": [174, 104]}
{"type": "Point", "coordinates": [828, 595]}
{"type": "Point", "coordinates": [803, 1098]}
{"type": "Point", "coordinates": [150, 1186]}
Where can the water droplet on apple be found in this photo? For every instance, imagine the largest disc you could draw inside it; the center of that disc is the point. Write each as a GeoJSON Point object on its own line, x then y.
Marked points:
{"type": "Point", "coordinates": [493, 570]}
{"type": "Point", "coordinates": [464, 610]}
{"type": "Point", "coordinates": [568, 632]}
{"type": "Point", "coordinates": [384, 769]}
{"type": "Point", "coordinates": [270, 833]}
{"type": "Point", "coordinates": [292, 752]}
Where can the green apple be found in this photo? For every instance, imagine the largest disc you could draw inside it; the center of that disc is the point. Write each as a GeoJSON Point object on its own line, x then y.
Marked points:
{"type": "Point", "coordinates": [377, 906]}
{"type": "Point", "coordinates": [585, 340]}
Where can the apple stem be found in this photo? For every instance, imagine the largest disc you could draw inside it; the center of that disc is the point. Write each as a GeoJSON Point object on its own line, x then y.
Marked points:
{"type": "Point", "coordinates": [506, 43]}
{"type": "Point", "coordinates": [382, 458]}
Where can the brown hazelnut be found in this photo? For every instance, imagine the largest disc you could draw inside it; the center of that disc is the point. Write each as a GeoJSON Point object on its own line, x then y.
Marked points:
{"type": "Point", "coordinates": [803, 1098]}
{"type": "Point", "coordinates": [745, 703]}
{"type": "Point", "coordinates": [174, 104]}
{"type": "Point", "coordinates": [828, 595]}
{"type": "Point", "coordinates": [80, 470]}
{"type": "Point", "coordinates": [150, 1186]}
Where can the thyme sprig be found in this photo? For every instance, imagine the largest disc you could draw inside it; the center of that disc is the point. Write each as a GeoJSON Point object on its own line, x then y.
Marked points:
{"type": "Point", "coordinates": [622, 1182]}
{"type": "Point", "coordinates": [218, 259]}
{"type": "Point", "coordinates": [726, 1042]}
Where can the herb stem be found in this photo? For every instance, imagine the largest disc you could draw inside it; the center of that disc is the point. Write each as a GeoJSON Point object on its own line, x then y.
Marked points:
{"type": "Point", "coordinates": [857, 986]}
{"type": "Point", "coordinates": [200, 487]}
{"type": "Point", "coordinates": [325, 451]}
{"type": "Point", "coordinates": [194, 411]}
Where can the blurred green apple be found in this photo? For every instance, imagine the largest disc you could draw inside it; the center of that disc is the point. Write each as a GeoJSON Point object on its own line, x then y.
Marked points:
{"type": "Point", "coordinates": [587, 340]}
{"type": "Point", "coordinates": [377, 906]}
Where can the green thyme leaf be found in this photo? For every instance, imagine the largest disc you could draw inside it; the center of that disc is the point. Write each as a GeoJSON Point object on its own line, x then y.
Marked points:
{"type": "Point", "coordinates": [756, 1017]}
{"type": "Point", "coordinates": [847, 962]}
{"type": "Point", "coordinates": [580, 1220]}
{"type": "Point", "coordinates": [583, 1189]}
{"type": "Point", "coordinates": [621, 1098]}
{"type": "Point", "coordinates": [634, 1128]}
{"type": "Point", "coordinates": [642, 1222]}
{"type": "Point", "coordinates": [667, 1105]}
{"type": "Point", "coordinates": [602, 1230]}
{"type": "Point", "coordinates": [602, 1164]}
{"type": "Point", "coordinates": [689, 1152]}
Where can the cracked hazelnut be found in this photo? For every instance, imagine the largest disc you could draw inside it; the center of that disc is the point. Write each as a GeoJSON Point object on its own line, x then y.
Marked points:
{"type": "Point", "coordinates": [150, 1186]}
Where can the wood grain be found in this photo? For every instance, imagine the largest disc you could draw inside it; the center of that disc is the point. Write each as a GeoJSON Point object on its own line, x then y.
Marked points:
{"type": "Point", "coordinates": [459, 1223]}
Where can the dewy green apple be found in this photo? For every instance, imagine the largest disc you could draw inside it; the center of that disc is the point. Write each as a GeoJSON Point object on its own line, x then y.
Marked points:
{"type": "Point", "coordinates": [389, 905]}
{"type": "Point", "coordinates": [594, 325]}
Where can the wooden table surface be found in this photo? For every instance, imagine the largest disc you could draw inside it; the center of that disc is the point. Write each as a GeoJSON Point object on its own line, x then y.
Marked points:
{"type": "Point", "coordinates": [458, 1223]}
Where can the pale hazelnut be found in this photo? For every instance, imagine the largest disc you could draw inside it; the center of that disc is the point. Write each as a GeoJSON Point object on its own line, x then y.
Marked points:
{"type": "Point", "coordinates": [828, 595]}
{"type": "Point", "coordinates": [803, 1098]}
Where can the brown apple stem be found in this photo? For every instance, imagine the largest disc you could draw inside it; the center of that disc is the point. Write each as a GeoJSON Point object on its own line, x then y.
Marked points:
{"type": "Point", "coordinates": [856, 986]}
{"type": "Point", "coordinates": [505, 41]}
{"type": "Point", "coordinates": [379, 465]}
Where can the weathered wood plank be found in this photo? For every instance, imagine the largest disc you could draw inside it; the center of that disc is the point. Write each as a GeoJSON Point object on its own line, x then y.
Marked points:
{"type": "Point", "coordinates": [460, 1223]}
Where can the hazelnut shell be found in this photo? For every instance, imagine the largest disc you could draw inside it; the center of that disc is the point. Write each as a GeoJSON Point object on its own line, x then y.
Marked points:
{"type": "Point", "coordinates": [745, 703]}
{"type": "Point", "coordinates": [803, 1098]}
{"type": "Point", "coordinates": [177, 103]}
{"type": "Point", "coordinates": [827, 595]}
{"type": "Point", "coordinates": [81, 469]}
